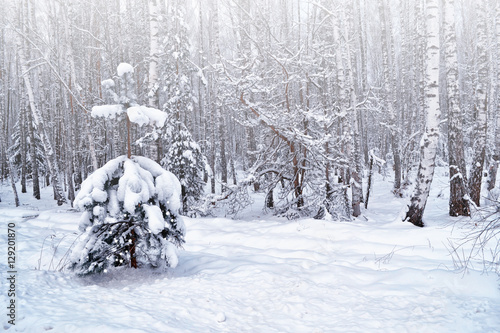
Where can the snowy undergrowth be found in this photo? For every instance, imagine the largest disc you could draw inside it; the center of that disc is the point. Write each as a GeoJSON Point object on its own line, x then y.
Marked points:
{"type": "Point", "coordinates": [262, 274]}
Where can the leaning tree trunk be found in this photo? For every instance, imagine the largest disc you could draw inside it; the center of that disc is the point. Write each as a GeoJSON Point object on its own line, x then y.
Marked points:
{"type": "Point", "coordinates": [40, 127]}
{"type": "Point", "coordinates": [429, 143]}
{"type": "Point", "coordinates": [459, 203]}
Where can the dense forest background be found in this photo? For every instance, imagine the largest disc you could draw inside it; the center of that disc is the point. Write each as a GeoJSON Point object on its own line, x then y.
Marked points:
{"type": "Point", "coordinates": [296, 99]}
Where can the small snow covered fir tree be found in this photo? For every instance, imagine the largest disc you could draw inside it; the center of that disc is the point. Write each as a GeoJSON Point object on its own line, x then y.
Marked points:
{"type": "Point", "coordinates": [183, 157]}
{"type": "Point", "coordinates": [130, 204]}
{"type": "Point", "coordinates": [130, 217]}
{"type": "Point", "coordinates": [185, 160]}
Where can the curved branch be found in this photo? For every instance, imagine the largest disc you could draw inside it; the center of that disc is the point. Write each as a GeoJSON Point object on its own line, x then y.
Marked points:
{"type": "Point", "coordinates": [257, 114]}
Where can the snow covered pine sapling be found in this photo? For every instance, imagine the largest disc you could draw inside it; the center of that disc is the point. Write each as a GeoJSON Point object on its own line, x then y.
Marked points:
{"type": "Point", "coordinates": [185, 160]}
{"type": "Point", "coordinates": [130, 204]}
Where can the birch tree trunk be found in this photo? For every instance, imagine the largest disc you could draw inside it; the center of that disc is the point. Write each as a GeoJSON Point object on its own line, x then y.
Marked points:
{"type": "Point", "coordinates": [218, 105]}
{"type": "Point", "coordinates": [355, 150]}
{"type": "Point", "coordinates": [495, 121]}
{"type": "Point", "coordinates": [153, 54]}
{"type": "Point", "coordinates": [153, 98]}
{"type": "Point", "coordinates": [74, 85]}
{"type": "Point", "coordinates": [245, 52]}
{"type": "Point", "coordinates": [34, 163]}
{"type": "Point", "coordinates": [40, 127]}
{"type": "Point", "coordinates": [24, 146]}
{"type": "Point", "coordinates": [497, 131]}
{"type": "Point", "coordinates": [343, 105]}
{"type": "Point", "coordinates": [9, 164]}
{"type": "Point", "coordinates": [3, 141]}
{"type": "Point", "coordinates": [222, 150]}
{"type": "Point", "coordinates": [70, 158]}
{"type": "Point", "coordinates": [389, 91]}
{"type": "Point", "coordinates": [429, 143]}
{"type": "Point", "coordinates": [476, 174]}
{"type": "Point", "coordinates": [459, 202]}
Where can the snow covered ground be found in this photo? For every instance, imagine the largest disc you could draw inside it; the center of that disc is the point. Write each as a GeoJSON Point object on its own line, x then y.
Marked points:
{"type": "Point", "coordinates": [258, 274]}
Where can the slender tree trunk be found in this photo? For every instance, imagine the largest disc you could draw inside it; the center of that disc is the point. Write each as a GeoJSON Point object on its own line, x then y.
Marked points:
{"type": "Point", "coordinates": [40, 126]}
{"type": "Point", "coordinates": [11, 174]}
{"type": "Point", "coordinates": [429, 143]}
{"type": "Point", "coordinates": [24, 146]}
{"type": "Point", "coordinates": [153, 70]}
{"type": "Point", "coordinates": [153, 54]}
{"type": "Point", "coordinates": [355, 154]}
{"type": "Point", "coordinates": [200, 135]}
{"type": "Point", "coordinates": [370, 175]}
{"type": "Point", "coordinates": [129, 148]}
{"type": "Point", "coordinates": [245, 52]}
{"type": "Point", "coordinates": [212, 156]}
{"type": "Point", "coordinates": [3, 150]}
{"type": "Point", "coordinates": [232, 155]}
{"type": "Point", "coordinates": [70, 154]}
{"type": "Point", "coordinates": [296, 180]}
{"type": "Point", "coordinates": [222, 152]}
{"type": "Point", "coordinates": [495, 120]}
{"type": "Point", "coordinates": [33, 157]}
{"type": "Point", "coordinates": [73, 78]}
{"type": "Point", "coordinates": [13, 184]}
{"type": "Point", "coordinates": [476, 174]}
{"type": "Point", "coordinates": [184, 198]}
{"type": "Point", "coordinates": [389, 90]}
{"type": "Point", "coordinates": [344, 101]}
{"type": "Point", "coordinates": [269, 201]}
{"type": "Point", "coordinates": [459, 203]}
{"type": "Point", "coordinates": [213, 93]}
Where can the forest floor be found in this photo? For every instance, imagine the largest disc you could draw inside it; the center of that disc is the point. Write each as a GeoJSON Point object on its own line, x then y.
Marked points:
{"type": "Point", "coordinates": [259, 274]}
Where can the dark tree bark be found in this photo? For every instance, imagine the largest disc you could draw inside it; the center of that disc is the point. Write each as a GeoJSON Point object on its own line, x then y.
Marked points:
{"type": "Point", "coordinates": [222, 153]}
{"type": "Point", "coordinates": [476, 173]}
{"type": "Point", "coordinates": [24, 146]}
{"type": "Point", "coordinates": [33, 156]}
{"type": "Point", "coordinates": [389, 90]}
{"type": "Point", "coordinates": [459, 203]}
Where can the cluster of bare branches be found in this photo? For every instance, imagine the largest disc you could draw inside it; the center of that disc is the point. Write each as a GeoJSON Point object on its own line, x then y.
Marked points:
{"type": "Point", "coordinates": [480, 243]}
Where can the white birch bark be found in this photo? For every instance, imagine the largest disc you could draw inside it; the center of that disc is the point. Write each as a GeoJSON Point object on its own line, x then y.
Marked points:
{"type": "Point", "coordinates": [40, 126]}
{"type": "Point", "coordinates": [354, 140]}
{"type": "Point", "coordinates": [495, 111]}
{"type": "Point", "coordinates": [154, 51]}
{"type": "Point", "coordinates": [429, 143]}
{"type": "Point", "coordinates": [34, 169]}
{"type": "Point", "coordinates": [340, 91]}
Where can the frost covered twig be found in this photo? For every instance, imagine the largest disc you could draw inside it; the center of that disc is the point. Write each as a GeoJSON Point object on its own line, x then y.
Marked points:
{"type": "Point", "coordinates": [480, 242]}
